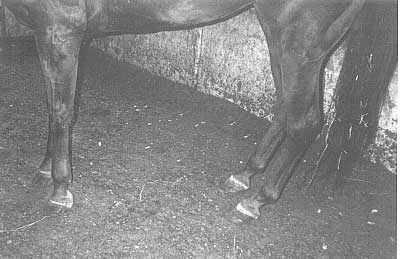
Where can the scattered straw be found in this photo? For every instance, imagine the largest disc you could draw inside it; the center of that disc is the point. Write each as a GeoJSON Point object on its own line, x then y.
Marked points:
{"type": "Point", "coordinates": [317, 166]}
{"type": "Point", "coordinates": [23, 227]}
{"type": "Point", "coordinates": [234, 247]}
{"type": "Point", "coordinates": [141, 191]}
{"type": "Point", "coordinates": [358, 180]}
{"type": "Point", "coordinates": [374, 193]}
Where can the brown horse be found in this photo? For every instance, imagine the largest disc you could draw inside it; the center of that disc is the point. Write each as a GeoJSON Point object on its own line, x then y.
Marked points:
{"type": "Point", "coordinates": [301, 34]}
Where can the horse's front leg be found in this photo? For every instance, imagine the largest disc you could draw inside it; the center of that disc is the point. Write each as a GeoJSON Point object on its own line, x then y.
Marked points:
{"type": "Point", "coordinates": [45, 166]}
{"type": "Point", "coordinates": [59, 54]}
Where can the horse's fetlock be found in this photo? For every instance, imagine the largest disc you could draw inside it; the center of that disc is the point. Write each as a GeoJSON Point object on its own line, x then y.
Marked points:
{"type": "Point", "coordinates": [256, 162]}
{"type": "Point", "coordinates": [304, 132]}
{"type": "Point", "coordinates": [271, 194]}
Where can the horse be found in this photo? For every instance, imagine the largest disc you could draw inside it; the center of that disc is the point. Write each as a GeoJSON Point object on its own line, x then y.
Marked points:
{"type": "Point", "coordinates": [301, 35]}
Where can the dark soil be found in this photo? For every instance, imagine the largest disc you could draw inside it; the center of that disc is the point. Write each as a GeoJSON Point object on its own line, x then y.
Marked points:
{"type": "Point", "coordinates": [150, 159]}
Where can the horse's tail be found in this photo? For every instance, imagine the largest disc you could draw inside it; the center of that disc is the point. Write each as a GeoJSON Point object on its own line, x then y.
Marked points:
{"type": "Point", "coordinates": [368, 66]}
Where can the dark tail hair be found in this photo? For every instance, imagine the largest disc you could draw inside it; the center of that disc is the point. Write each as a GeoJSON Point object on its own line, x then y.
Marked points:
{"type": "Point", "coordinates": [368, 66]}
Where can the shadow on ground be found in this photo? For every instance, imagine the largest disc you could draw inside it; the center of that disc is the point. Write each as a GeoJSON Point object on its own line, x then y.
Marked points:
{"type": "Point", "coordinates": [150, 158]}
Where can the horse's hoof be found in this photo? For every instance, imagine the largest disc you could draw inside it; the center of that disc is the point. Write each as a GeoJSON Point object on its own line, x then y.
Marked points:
{"type": "Point", "coordinates": [237, 217]}
{"type": "Point", "coordinates": [237, 182]}
{"type": "Point", "coordinates": [62, 201]}
{"type": "Point", "coordinates": [44, 174]}
{"type": "Point", "coordinates": [42, 177]}
{"type": "Point", "coordinates": [249, 208]}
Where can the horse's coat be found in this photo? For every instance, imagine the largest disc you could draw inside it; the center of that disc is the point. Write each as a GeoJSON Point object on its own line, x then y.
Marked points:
{"type": "Point", "coordinates": [300, 34]}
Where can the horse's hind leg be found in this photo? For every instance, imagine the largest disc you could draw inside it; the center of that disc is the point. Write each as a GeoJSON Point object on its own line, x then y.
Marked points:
{"type": "Point", "coordinates": [304, 39]}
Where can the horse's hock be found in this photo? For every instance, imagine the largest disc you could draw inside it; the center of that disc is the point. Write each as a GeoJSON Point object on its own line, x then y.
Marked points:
{"type": "Point", "coordinates": [235, 68]}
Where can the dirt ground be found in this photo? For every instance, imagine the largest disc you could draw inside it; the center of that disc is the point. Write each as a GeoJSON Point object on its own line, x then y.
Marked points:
{"type": "Point", "coordinates": [150, 160]}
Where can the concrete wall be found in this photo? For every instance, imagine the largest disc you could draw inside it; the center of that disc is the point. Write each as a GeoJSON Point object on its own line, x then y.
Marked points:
{"type": "Point", "coordinates": [229, 60]}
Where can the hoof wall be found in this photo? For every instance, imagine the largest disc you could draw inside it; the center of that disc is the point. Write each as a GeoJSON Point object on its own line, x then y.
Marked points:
{"type": "Point", "coordinates": [246, 208]}
{"type": "Point", "coordinates": [237, 182]}
{"type": "Point", "coordinates": [45, 174]}
{"type": "Point", "coordinates": [237, 217]}
{"type": "Point", "coordinates": [62, 201]}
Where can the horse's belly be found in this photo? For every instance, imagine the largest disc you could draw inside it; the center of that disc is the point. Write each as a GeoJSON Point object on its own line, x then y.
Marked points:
{"type": "Point", "coordinates": [145, 16]}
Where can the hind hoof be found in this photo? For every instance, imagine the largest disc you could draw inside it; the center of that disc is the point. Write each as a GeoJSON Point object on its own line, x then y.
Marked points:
{"type": "Point", "coordinates": [62, 201]}
{"type": "Point", "coordinates": [237, 182]}
{"type": "Point", "coordinates": [249, 208]}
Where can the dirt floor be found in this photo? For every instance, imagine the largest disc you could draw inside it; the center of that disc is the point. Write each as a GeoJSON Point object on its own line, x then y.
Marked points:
{"type": "Point", "coordinates": [150, 160]}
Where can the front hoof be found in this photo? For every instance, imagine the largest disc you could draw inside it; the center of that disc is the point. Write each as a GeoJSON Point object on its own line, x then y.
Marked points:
{"type": "Point", "coordinates": [62, 201]}
{"type": "Point", "coordinates": [249, 208]}
{"type": "Point", "coordinates": [42, 177]}
{"type": "Point", "coordinates": [237, 182]}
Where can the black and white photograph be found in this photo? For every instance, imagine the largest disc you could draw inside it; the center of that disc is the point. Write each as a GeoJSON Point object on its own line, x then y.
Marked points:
{"type": "Point", "coordinates": [198, 129]}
